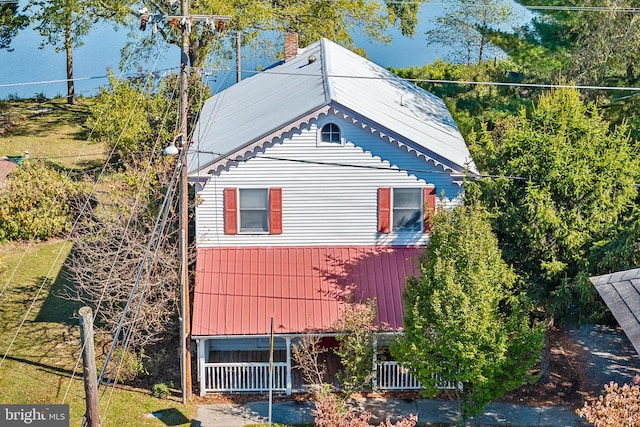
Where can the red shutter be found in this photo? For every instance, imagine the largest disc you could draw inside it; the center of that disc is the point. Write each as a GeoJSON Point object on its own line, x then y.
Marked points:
{"type": "Point", "coordinates": [384, 210]}
{"type": "Point", "coordinates": [230, 211]}
{"type": "Point", "coordinates": [275, 211]}
{"type": "Point", "coordinates": [429, 196]}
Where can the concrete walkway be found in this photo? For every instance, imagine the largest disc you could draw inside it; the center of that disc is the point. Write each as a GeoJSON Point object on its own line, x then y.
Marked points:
{"type": "Point", "coordinates": [428, 411]}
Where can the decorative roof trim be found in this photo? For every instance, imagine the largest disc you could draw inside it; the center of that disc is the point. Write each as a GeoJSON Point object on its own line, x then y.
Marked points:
{"type": "Point", "coordinates": [391, 137]}
{"type": "Point", "coordinates": [249, 151]}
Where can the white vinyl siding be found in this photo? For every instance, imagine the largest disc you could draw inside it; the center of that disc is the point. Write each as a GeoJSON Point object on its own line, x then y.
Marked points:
{"type": "Point", "coordinates": [325, 200]}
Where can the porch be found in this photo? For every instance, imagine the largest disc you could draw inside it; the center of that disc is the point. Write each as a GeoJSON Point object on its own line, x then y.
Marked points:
{"type": "Point", "coordinates": [248, 371]}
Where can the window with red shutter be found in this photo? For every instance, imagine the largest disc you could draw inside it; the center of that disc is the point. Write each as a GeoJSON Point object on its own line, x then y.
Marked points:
{"type": "Point", "coordinates": [384, 210]}
{"type": "Point", "coordinates": [405, 209]}
{"type": "Point", "coordinates": [429, 196]}
{"type": "Point", "coordinates": [230, 210]}
{"type": "Point", "coordinates": [253, 210]}
{"type": "Point", "coordinates": [275, 211]}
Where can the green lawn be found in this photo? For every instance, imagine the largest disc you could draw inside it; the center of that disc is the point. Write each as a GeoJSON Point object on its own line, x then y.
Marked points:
{"type": "Point", "coordinates": [39, 334]}
{"type": "Point", "coordinates": [51, 130]}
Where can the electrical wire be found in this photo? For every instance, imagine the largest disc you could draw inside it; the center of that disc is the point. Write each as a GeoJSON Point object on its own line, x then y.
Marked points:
{"type": "Point", "coordinates": [454, 82]}
{"type": "Point", "coordinates": [78, 79]}
{"type": "Point", "coordinates": [586, 8]}
{"type": "Point", "coordinates": [45, 281]}
{"type": "Point", "coordinates": [137, 199]}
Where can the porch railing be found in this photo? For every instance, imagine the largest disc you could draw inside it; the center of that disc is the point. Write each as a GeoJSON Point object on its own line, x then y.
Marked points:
{"type": "Point", "coordinates": [392, 376]}
{"type": "Point", "coordinates": [246, 377]}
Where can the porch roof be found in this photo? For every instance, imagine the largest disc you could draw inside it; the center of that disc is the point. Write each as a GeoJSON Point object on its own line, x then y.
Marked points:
{"type": "Point", "coordinates": [239, 289]}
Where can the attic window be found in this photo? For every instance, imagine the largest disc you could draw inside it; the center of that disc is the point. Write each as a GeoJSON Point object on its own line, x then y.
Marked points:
{"type": "Point", "coordinates": [329, 134]}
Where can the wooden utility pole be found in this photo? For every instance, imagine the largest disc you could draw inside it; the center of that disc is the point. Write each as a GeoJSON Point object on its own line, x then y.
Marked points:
{"type": "Point", "coordinates": [185, 334]}
{"type": "Point", "coordinates": [185, 313]}
{"type": "Point", "coordinates": [92, 415]}
{"type": "Point", "coordinates": [238, 56]}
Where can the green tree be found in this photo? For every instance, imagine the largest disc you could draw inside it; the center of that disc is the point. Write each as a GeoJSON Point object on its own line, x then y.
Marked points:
{"type": "Point", "coordinates": [588, 47]}
{"type": "Point", "coordinates": [63, 24]}
{"type": "Point", "coordinates": [569, 181]}
{"type": "Point", "coordinates": [311, 19]}
{"type": "Point", "coordinates": [11, 21]}
{"type": "Point", "coordinates": [464, 24]}
{"type": "Point", "coordinates": [462, 320]}
{"type": "Point", "coordinates": [472, 104]}
{"type": "Point", "coordinates": [356, 337]}
{"type": "Point", "coordinates": [135, 117]}
{"type": "Point", "coordinates": [602, 45]}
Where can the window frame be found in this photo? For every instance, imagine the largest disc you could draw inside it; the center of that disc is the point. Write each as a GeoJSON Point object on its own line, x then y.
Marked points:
{"type": "Point", "coordinates": [232, 212]}
{"type": "Point", "coordinates": [320, 141]}
{"type": "Point", "coordinates": [252, 209]}
{"type": "Point", "coordinates": [386, 206]}
{"type": "Point", "coordinates": [418, 209]}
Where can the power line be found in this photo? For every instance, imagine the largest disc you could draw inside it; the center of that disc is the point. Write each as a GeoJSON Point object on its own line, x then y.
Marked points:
{"type": "Point", "coordinates": [389, 168]}
{"type": "Point", "coordinates": [457, 82]}
{"type": "Point", "coordinates": [586, 8]}
{"type": "Point", "coordinates": [75, 79]}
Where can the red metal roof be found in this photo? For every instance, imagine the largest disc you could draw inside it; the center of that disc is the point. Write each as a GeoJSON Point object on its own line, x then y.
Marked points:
{"type": "Point", "coordinates": [239, 289]}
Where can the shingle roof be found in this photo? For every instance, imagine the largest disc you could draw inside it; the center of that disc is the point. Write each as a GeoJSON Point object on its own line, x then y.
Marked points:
{"type": "Point", "coordinates": [6, 167]}
{"type": "Point", "coordinates": [263, 104]}
{"type": "Point", "coordinates": [621, 292]}
{"type": "Point", "coordinates": [238, 289]}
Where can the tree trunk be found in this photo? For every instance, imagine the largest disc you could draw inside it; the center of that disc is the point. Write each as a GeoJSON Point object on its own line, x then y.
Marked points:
{"type": "Point", "coordinates": [545, 360]}
{"type": "Point", "coordinates": [71, 96]}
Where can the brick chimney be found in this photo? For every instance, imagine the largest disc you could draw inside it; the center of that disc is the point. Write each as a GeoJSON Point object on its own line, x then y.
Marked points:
{"type": "Point", "coordinates": [290, 46]}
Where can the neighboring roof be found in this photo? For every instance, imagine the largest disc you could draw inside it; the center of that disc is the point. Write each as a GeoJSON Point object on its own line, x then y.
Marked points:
{"type": "Point", "coordinates": [7, 166]}
{"type": "Point", "coordinates": [621, 292]}
{"type": "Point", "coordinates": [304, 288]}
{"type": "Point", "coordinates": [255, 108]}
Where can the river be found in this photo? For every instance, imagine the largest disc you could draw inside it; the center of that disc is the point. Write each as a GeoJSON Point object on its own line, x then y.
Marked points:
{"type": "Point", "coordinates": [28, 71]}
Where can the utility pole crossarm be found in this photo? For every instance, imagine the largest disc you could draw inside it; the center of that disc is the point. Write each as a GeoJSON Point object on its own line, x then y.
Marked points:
{"type": "Point", "coordinates": [198, 18]}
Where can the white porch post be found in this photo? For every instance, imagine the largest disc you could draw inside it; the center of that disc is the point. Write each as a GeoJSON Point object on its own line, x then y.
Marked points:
{"type": "Point", "coordinates": [374, 380]}
{"type": "Point", "coordinates": [201, 345]}
{"type": "Point", "coordinates": [288, 340]}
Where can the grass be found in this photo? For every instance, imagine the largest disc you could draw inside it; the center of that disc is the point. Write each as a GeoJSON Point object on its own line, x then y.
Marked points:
{"type": "Point", "coordinates": [52, 130]}
{"type": "Point", "coordinates": [39, 333]}
{"type": "Point", "coordinates": [39, 330]}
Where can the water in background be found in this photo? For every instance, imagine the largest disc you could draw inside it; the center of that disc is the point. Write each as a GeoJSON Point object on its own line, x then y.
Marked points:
{"type": "Point", "coordinates": [26, 65]}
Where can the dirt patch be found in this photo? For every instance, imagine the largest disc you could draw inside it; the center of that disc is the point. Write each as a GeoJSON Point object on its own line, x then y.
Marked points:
{"type": "Point", "coordinates": [569, 385]}
{"type": "Point", "coordinates": [582, 362]}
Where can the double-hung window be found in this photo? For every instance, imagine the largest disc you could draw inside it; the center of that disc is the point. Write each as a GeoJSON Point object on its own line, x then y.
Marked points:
{"type": "Point", "coordinates": [253, 210]}
{"type": "Point", "coordinates": [405, 209]}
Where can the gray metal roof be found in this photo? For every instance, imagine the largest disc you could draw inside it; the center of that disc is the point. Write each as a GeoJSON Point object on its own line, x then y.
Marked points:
{"type": "Point", "coordinates": [621, 292]}
{"type": "Point", "coordinates": [266, 103]}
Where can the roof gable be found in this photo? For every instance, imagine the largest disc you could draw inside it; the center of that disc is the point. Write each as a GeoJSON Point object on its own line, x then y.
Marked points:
{"type": "Point", "coordinates": [325, 74]}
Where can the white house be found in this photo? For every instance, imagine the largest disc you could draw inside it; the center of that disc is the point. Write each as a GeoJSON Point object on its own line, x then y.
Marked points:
{"type": "Point", "coordinates": [315, 181]}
